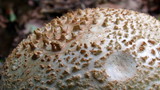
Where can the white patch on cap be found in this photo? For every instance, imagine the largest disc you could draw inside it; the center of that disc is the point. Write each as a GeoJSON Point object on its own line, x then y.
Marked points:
{"type": "Point", "coordinates": [120, 66]}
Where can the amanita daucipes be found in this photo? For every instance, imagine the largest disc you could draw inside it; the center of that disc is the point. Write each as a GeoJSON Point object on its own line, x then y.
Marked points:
{"type": "Point", "coordinates": [88, 49]}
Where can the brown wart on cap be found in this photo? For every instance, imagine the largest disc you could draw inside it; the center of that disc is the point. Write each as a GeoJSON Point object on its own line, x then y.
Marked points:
{"type": "Point", "coordinates": [88, 49]}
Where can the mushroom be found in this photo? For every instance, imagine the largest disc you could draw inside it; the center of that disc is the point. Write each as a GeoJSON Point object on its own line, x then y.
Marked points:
{"type": "Point", "coordinates": [102, 48]}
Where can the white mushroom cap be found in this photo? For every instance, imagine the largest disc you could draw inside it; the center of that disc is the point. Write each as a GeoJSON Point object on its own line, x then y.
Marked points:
{"type": "Point", "coordinates": [88, 49]}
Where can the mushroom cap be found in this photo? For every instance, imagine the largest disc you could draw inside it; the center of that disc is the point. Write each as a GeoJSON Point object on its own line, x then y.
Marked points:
{"type": "Point", "coordinates": [101, 48]}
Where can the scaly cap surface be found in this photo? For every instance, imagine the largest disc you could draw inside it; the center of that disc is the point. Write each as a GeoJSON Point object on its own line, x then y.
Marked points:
{"type": "Point", "coordinates": [88, 49]}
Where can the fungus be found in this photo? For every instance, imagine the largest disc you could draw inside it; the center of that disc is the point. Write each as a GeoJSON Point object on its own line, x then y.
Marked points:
{"type": "Point", "coordinates": [120, 51]}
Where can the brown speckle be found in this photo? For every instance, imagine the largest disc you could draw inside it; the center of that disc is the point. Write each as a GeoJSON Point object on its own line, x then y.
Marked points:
{"type": "Point", "coordinates": [85, 65]}
{"type": "Point", "coordinates": [36, 55]}
{"type": "Point", "coordinates": [100, 76]}
{"type": "Point", "coordinates": [141, 48]}
{"type": "Point", "coordinates": [152, 42]}
{"type": "Point", "coordinates": [76, 28]}
{"type": "Point", "coordinates": [158, 49]}
{"type": "Point", "coordinates": [42, 66]}
{"type": "Point", "coordinates": [96, 52]}
{"type": "Point", "coordinates": [153, 52]}
{"type": "Point", "coordinates": [55, 47]}
{"type": "Point", "coordinates": [78, 48]}
{"type": "Point", "coordinates": [83, 51]}
{"type": "Point", "coordinates": [75, 69]}
{"type": "Point", "coordinates": [144, 58]}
